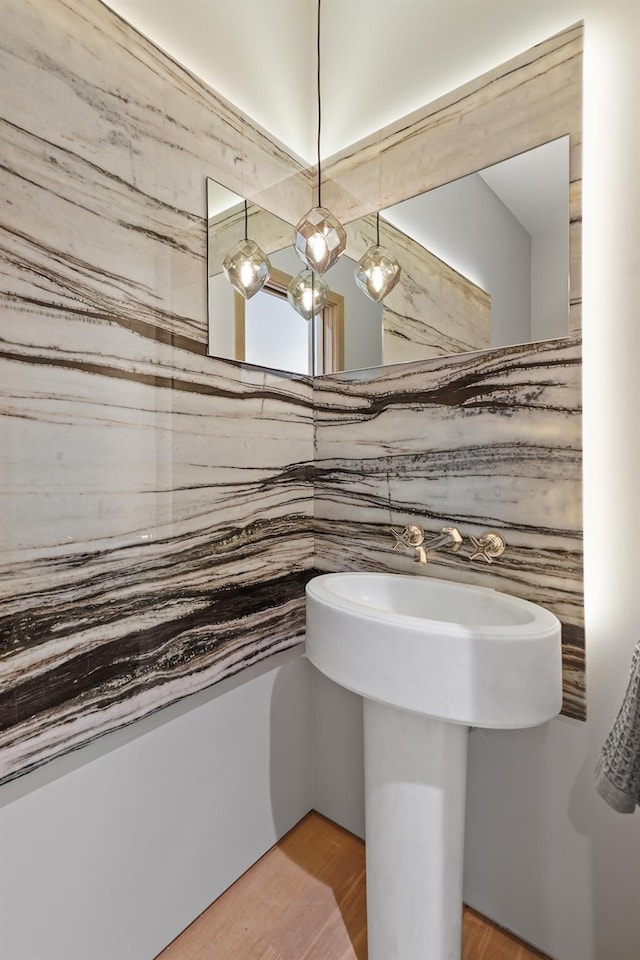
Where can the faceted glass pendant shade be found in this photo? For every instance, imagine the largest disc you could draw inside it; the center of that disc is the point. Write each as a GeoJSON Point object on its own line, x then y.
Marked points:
{"type": "Point", "coordinates": [307, 294]}
{"type": "Point", "coordinates": [247, 268]}
{"type": "Point", "coordinates": [377, 273]}
{"type": "Point", "coordinates": [319, 239]}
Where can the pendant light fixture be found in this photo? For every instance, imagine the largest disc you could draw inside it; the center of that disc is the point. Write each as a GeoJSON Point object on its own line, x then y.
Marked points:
{"type": "Point", "coordinates": [307, 293]}
{"type": "Point", "coordinates": [377, 271]}
{"type": "Point", "coordinates": [246, 266]}
{"type": "Point", "coordinates": [319, 237]}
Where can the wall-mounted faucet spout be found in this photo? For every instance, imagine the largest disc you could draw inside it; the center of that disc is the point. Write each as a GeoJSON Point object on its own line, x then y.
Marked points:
{"type": "Point", "coordinates": [413, 538]}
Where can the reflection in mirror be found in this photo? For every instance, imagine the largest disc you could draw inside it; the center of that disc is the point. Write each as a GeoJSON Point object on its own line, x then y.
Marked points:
{"type": "Point", "coordinates": [346, 335]}
{"type": "Point", "coordinates": [268, 331]}
{"type": "Point", "coordinates": [271, 333]}
{"type": "Point", "coordinates": [265, 330]}
{"type": "Point", "coordinates": [485, 263]}
{"type": "Point", "coordinates": [505, 228]}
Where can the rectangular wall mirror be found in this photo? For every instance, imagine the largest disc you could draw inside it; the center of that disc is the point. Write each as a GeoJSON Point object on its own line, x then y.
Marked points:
{"type": "Point", "coordinates": [485, 263]}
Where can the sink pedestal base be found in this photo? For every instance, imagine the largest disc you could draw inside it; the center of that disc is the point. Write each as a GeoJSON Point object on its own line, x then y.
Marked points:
{"type": "Point", "coordinates": [415, 779]}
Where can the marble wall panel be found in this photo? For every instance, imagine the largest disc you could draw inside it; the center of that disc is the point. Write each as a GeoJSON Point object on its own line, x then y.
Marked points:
{"type": "Point", "coordinates": [91, 105]}
{"type": "Point", "coordinates": [158, 540]}
{"type": "Point", "coordinates": [488, 441]}
{"type": "Point", "coordinates": [155, 504]}
{"type": "Point", "coordinates": [520, 104]}
{"type": "Point", "coordinates": [527, 101]}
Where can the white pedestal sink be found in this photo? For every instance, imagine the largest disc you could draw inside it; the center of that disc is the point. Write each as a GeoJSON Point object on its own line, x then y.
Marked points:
{"type": "Point", "coordinates": [431, 658]}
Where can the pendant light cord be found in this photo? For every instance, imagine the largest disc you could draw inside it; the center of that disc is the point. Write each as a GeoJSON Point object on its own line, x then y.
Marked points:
{"type": "Point", "coordinates": [377, 229]}
{"type": "Point", "coordinates": [319, 109]}
{"type": "Point", "coordinates": [246, 222]}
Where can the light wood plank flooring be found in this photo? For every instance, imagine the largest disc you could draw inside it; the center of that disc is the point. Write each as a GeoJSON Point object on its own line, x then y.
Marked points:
{"type": "Point", "coordinates": [305, 900]}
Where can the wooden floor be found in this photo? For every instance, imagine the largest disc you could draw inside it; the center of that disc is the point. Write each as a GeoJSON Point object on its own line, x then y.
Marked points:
{"type": "Point", "coordinates": [305, 900]}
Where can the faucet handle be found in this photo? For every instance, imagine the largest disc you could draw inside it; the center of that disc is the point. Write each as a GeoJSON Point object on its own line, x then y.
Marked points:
{"type": "Point", "coordinates": [411, 537]}
{"type": "Point", "coordinates": [488, 547]}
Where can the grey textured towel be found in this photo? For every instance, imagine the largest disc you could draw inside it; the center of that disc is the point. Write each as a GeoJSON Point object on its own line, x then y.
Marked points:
{"type": "Point", "coordinates": [618, 770]}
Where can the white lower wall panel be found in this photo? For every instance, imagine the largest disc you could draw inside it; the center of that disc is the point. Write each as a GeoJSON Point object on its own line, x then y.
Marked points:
{"type": "Point", "coordinates": [107, 854]}
{"type": "Point", "coordinates": [338, 748]}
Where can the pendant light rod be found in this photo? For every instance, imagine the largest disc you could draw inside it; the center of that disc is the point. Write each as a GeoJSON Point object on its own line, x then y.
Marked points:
{"type": "Point", "coordinates": [319, 238]}
{"type": "Point", "coordinates": [246, 221]}
{"type": "Point", "coordinates": [377, 229]}
{"type": "Point", "coordinates": [319, 104]}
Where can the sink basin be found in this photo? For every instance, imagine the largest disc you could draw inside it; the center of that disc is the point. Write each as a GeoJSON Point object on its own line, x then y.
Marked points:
{"type": "Point", "coordinates": [431, 658]}
{"type": "Point", "coordinates": [456, 652]}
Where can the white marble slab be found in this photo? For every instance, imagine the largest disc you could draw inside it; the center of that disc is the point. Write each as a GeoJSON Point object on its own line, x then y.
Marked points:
{"type": "Point", "coordinates": [156, 504]}
{"type": "Point", "coordinates": [488, 441]}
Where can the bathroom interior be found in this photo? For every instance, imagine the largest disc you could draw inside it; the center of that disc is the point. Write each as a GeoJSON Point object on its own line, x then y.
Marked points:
{"type": "Point", "coordinates": [166, 500]}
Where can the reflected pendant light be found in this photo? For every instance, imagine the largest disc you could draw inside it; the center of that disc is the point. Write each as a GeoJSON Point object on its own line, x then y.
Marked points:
{"type": "Point", "coordinates": [307, 294]}
{"type": "Point", "coordinates": [377, 271]}
{"type": "Point", "coordinates": [319, 238]}
{"type": "Point", "coordinates": [246, 266]}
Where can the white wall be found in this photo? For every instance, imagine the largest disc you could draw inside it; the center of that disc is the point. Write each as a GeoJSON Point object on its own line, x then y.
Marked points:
{"type": "Point", "coordinates": [108, 853]}
{"type": "Point", "coordinates": [362, 319]}
{"type": "Point", "coordinates": [275, 335]}
{"type": "Point", "coordinates": [549, 285]}
{"type": "Point", "coordinates": [338, 758]}
{"type": "Point", "coordinates": [221, 317]}
{"type": "Point", "coordinates": [465, 224]}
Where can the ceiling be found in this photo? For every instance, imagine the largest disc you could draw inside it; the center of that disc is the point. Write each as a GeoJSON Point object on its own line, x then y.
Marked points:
{"type": "Point", "coordinates": [381, 59]}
